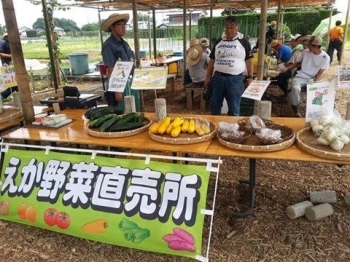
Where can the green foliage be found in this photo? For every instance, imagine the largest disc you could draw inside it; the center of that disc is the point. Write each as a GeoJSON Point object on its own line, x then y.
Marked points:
{"type": "Point", "coordinates": [90, 27]}
{"type": "Point", "coordinates": [66, 24]}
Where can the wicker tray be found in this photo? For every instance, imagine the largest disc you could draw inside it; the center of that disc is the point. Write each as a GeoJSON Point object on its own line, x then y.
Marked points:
{"type": "Point", "coordinates": [306, 140]}
{"type": "Point", "coordinates": [253, 144]}
{"type": "Point", "coordinates": [9, 114]}
{"type": "Point", "coordinates": [96, 133]}
{"type": "Point", "coordinates": [185, 138]}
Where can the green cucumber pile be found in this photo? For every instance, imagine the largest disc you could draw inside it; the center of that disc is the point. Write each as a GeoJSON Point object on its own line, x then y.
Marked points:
{"type": "Point", "coordinates": [110, 119]}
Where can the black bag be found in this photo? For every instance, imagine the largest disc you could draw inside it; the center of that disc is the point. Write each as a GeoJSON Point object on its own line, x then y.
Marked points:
{"type": "Point", "coordinates": [207, 92]}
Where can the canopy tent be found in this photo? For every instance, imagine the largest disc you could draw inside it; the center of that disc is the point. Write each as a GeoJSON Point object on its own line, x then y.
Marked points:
{"type": "Point", "coordinates": [323, 27]}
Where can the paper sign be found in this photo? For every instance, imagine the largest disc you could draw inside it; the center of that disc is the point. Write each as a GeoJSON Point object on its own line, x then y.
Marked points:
{"type": "Point", "coordinates": [320, 99]}
{"type": "Point", "coordinates": [120, 76]}
{"type": "Point", "coordinates": [150, 78]}
{"type": "Point", "coordinates": [8, 77]}
{"type": "Point", "coordinates": [344, 76]}
{"type": "Point", "coordinates": [256, 89]}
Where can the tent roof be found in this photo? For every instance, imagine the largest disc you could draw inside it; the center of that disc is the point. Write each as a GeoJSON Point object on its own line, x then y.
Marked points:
{"type": "Point", "coordinates": [145, 5]}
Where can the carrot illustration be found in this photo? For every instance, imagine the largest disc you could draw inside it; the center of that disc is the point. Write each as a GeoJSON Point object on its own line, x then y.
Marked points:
{"type": "Point", "coordinates": [184, 235]}
{"type": "Point", "coordinates": [97, 226]}
{"type": "Point", "coordinates": [181, 245]}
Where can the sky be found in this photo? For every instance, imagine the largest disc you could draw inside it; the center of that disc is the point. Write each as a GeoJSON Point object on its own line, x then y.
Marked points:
{"type": "Point", "coordinates": [27, 13]}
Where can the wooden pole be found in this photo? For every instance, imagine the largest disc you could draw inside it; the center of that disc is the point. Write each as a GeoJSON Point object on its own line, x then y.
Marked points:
{"type": "Point", "coordinates": [345, 33]}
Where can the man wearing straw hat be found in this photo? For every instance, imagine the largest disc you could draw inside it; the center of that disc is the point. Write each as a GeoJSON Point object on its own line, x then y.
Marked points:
{"type": "Point", "coordinates": [197, 59]}
{"type": "Point", "coordinates": [114, 49]}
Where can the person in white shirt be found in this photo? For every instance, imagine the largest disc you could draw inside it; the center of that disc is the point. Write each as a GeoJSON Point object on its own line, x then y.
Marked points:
{"type": "Point", "coordinates": [313, 62]}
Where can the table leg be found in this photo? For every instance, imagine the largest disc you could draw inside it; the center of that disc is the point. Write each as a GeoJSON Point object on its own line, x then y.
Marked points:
{"type": "Point", "coordinates": [251, 182]}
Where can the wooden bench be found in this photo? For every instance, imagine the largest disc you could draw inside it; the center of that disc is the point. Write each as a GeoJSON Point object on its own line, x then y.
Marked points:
{"type": "Point", "coordinates": [190, 89]}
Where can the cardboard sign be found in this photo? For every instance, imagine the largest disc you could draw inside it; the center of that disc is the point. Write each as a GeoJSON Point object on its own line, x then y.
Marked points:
{"type": "Point", "coordinates": [150, 78]}
{"type": "Point", "coordinates": [147, 205]}
{"type": "Point", "coordinates": [320, 99]}
{"type": "Point", "coordinates": [256, 89]}
{"type": "Point", "coordinates": [120, 76]}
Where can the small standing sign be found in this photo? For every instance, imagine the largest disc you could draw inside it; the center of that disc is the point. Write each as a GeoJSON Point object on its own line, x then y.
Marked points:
{"type": "Point", "coordinates": [320, 99]}
{"type": "Point", "coordinates": [120, 76]}
{"type": "Point", "coordinates": [256, 89]}
{"type": "Point", "coordinates": [344, 76]}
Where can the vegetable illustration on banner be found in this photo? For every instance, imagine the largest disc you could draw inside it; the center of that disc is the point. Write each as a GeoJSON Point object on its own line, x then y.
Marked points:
{"type": "Point", "coordinates": [320, 99]}
{"type": "Point", "coordinates": [153, 206]}
{"type": "Point", "coordinates": [120, 76]}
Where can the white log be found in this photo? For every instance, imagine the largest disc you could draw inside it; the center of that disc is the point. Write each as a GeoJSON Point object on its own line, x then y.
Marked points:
{"type": "Point", "coordinates": [298, 210]}
{"type": "Point", "coordinates": [327, 196]}
{"type": "Point", "coordinates": [263, 109]}
{"type": "Point", "coordinates": [130, 106]}
{"type": "Point", "coordinates": [320, 211]}
{"type": "Point", "coordinates": [160, 106]}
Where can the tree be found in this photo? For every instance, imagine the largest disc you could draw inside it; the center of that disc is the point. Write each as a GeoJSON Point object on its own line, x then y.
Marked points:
{"type": "Point", "coordinates": [66, 24]}
{"type": "Point", "coordinates": [90, 27]}
{"type": "Point", "coordinates": [39, 24]}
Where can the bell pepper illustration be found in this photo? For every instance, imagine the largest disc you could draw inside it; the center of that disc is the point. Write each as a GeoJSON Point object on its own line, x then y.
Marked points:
{"type": "Point", "coordinates": [95, 227]}
{"type": "Point", "coordinates": [132, 232]}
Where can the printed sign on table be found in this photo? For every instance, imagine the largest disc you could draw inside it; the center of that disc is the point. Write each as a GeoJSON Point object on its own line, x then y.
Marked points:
{"type": "Point", "coordinates": [344, 76]}
{"type": "Point", "coordinates": [8, 77]}
{"type": "Point", "coordinates": [150, 78]}
{"type": "Point", "coordinates": [120, 76]}
{"type": "Point", "coordinates": [320, 99]}
{"type": "Point", "coordinates": [152, 206]}
{"type": "Point", "coordinates": [256, 89]}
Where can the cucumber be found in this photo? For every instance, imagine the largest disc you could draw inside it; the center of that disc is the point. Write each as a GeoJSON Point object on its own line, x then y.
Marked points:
{"type": "Point", "coordinates": [101, 120]}
{"type": "Point", "coordinates": [109, 123]}
{"type": "Point", "coordinates": [131, 117]}
{"type": "Point", "coordinates": [105, 111]}
{"type": "Point", "coordinates": [89, 112]}
{"type": "Point", "coordinates": [117, 127]}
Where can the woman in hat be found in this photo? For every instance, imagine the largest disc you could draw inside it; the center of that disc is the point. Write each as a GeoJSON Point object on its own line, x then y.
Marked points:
{"type": "Point", "coordinates": [114, 49]}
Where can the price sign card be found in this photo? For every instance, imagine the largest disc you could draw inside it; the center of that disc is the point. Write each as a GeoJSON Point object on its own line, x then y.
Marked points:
{"type": "Point", "coordinates": [256, 89]}
{"type": "Point", "coordinates": [8, 77]}
{"type": "Point", "coordinates": [320, 99]}
{"type": "Point", "coordinates": [344, 76]}
{"type": "Point", "coordinates": [120, 76]}
{"type": "Point", "coordinates": [150, 78]}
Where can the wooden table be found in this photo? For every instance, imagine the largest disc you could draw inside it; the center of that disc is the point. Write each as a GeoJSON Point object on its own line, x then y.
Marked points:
{"type": "Point", "coordinates": [173, 64]}
{"type": "Point", "coordinates": [84, 101]}
{"type": "Point", "coordinates": [75, 133]}
{"type": "Point", "coordinates": [10, 117]}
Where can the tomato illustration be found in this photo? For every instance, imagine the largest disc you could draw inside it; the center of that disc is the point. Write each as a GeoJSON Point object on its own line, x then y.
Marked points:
{"type": "Point", "coordinates": [21, 211]}
{"type": "Point", "coordinates": [30, 213]}
{"type": "Point", "coordinates": [50, 216]}
{"type": "Point", "coordinates": [62, 220]}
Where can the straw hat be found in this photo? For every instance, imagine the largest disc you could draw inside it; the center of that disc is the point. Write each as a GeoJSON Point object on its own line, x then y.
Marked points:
{"type": "Point", "coordinates": [301, 39]}
{"type": "Point", "coordinates": [112, 19]}
{"type": "Point", "coordinates": [5, 34]}
{"type": "Point", "coordinates": [275, 42]}
{"type": "Point", "coordinates": [194, 54]}
{"type": "Point", "coordinates": [273, 23]}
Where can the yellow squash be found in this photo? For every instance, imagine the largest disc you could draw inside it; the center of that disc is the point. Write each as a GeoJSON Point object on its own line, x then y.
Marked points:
{"type": "Point", "coordinates": [191, 127]}
{"type": "Point", "coordinates": [164, 125]}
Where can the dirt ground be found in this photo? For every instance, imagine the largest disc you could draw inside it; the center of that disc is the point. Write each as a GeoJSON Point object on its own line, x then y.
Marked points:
{"type": "Point", "coordinates": [267, 235]}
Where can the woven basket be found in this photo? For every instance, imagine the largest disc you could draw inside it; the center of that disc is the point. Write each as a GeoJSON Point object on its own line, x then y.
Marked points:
{"type": "Point", "coordinates": [96, 133]}
{"type": "Point", "coordinates": [244, 124]}
{"type": "Point", "coordinates": [10, 114]}
{"type": "Point", "coordinates": [185, 138]}
{"type": "Point", "coordinates": [253, 143]}
{"type": "Point", "coordinates": [306, 140]}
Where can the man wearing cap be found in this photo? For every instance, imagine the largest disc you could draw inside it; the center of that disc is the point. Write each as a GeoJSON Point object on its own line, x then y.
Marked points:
{"type": "Point", "coordinates": [286, 73]}
{"type": "Point", "coordinates": [336, 35]}
{"type": "Point", "coordinates": [197, 59]}
{"type": "Point", "coordinates": [283, 52]}
{"type": "Point", "coordinates": [114, 49]}
{"type": "Point", "coordinates": [230, 57]}
{"type": "Point", "coordinates": [313, 62]}
{"type": "Point", "coordinates": [6, 59]}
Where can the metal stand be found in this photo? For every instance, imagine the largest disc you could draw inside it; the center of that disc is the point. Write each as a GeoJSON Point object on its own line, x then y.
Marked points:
{"type": "Point", "coordinates": [251, 182]}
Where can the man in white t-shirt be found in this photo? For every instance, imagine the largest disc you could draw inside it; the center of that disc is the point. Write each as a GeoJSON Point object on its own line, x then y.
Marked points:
{"type": "Point", "coordinates": [313, 62]}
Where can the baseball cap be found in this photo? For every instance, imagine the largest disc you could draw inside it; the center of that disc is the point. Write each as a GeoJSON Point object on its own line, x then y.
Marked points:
{"type": "Point", "coordinates": [295, 37]}
{"type": "Point", "coordinates": [315, 40]}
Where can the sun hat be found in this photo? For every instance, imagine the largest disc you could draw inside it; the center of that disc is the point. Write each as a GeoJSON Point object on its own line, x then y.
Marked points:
{"type": "Point", "coordinates": [112, 19]}
{"type": "Point", "coordinates": [315, 40]}
{"type": "Point", "coordinates": [194, 54]}
{"type": "Point", "coordinates": [273, 23]}
{"type": "Point", "coordinates": [204, 42]}
{"type": "Point", "coordinates": [295, 37]}
{"type": "Point", "coordinates": [5, 34]}
{"type": "Point", "coordinates": [275, 43]}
